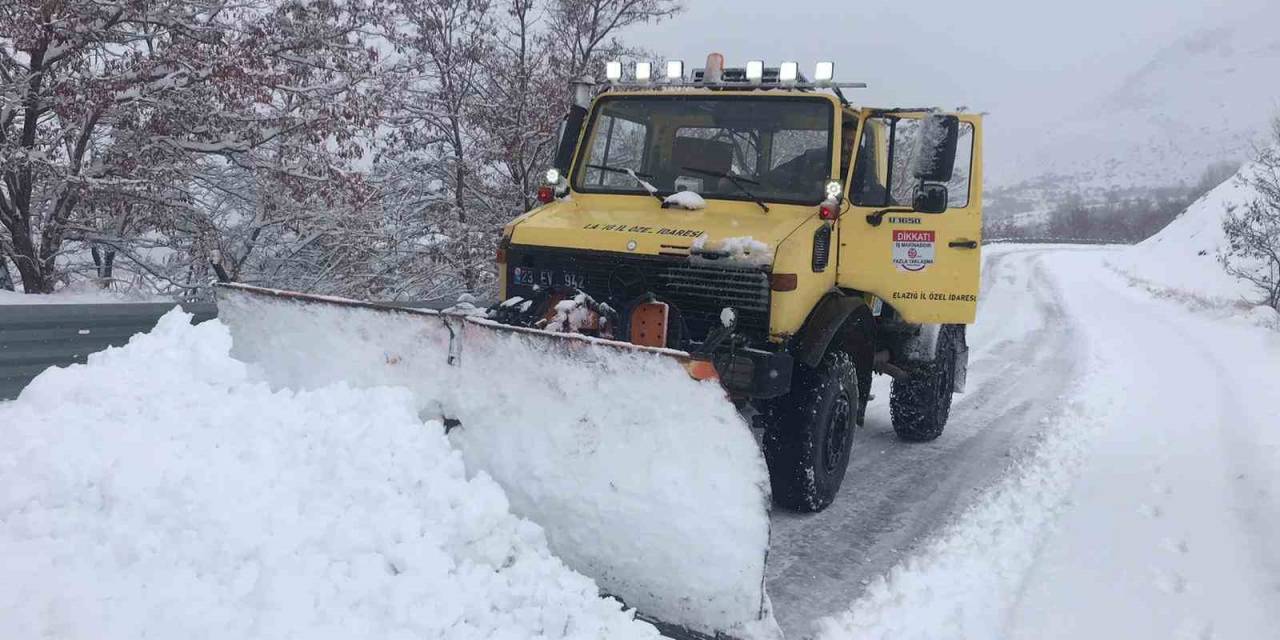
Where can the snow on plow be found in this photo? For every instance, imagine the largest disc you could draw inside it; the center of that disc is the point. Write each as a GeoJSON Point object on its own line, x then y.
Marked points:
{"type": "Point", "coordinates": [643, 478]}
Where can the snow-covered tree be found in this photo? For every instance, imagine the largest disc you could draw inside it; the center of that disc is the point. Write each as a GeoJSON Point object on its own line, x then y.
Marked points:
{"type": "Point", "coordinates": [111, 114]}
{"type": "Point", "coordinates": [1253, 231]}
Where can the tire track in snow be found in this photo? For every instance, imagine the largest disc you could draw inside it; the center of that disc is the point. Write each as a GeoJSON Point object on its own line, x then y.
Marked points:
{"type": "Point", "coordinates": [896, 494]}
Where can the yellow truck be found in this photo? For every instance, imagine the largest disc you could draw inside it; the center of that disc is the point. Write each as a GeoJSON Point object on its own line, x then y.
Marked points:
{"type": "Point", "coordinates": [791, 242]}
{"type": "Point", "coordinates": [747, 228]}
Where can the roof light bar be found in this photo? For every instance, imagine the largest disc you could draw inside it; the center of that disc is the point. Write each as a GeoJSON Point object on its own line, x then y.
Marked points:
{"type": "Point", "coordinates": [788, 72]}
{"type": "Point", "coordinates": [755, 71]}
{"type": "Point", "coordinates": [613, 70]}
{"type": "Point", "coordinates": [644, 71]}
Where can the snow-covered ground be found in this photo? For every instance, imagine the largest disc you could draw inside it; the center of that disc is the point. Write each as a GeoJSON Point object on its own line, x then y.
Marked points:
{"type": "Point", "coordinates": [1150, 503]}
{"type": "Point", "coordinates": [1182, 261]}
{"type": "Point", "coordinates": [160, 491]}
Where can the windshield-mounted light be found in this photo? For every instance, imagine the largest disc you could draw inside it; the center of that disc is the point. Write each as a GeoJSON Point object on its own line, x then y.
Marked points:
{"type": "Point", "coordinates": [824, 71]}
{"type": "Point", "coordinates": [755, 71]}
{"type": "Point", "coordinates": [834, 189]}
{"type": "Point", "coordinates": [675, 70]}
{"type": "Point", "coordinates": [613, 70]}
{"type": "Point", "coordinates": [788, 72]}
{"type": "Point", "coordinates": [644, 71]}
{"type": "Point", "coordinates": [553, 176]}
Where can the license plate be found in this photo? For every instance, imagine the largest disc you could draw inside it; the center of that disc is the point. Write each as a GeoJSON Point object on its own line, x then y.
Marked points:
{"type": "Point", "coordinates": [549, 278]}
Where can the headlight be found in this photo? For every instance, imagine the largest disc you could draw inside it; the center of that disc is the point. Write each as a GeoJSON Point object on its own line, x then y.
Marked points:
{"type": "Point", "coordinates": [834, 189]}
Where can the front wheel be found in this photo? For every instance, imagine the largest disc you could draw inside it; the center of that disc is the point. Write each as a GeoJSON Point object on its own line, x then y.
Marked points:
{"type": "Point", "coordinates": [809, 434]}
{"type": "Point", "coordinates": [921, 404]}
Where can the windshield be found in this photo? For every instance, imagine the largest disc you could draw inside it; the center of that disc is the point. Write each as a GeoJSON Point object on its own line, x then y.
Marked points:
{"type": "Point", "coordinates": [731, 147]}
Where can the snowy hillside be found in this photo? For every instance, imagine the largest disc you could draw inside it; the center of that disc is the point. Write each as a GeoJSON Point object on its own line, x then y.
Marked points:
{"type": "Point", "coordinates": [1205, 98]}
{"type": "Point", "coordinates": [1182, 260]}
{"type": "Point", "coordinates": [159, 492]}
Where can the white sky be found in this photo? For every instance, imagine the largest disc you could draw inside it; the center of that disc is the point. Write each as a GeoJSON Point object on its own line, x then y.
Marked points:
{"type": "Point", "coordinates": [1017, 59]}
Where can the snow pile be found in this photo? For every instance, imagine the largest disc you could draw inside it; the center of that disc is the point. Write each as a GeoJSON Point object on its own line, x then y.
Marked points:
{"type": "Point", "coordinates": [160, 492]}
{"type": "Point", "coordinates": [644, 479]}
{"type": "Point", "coordinates": [740, 251]}
{"type": "Point", "coordinates": [1182, 261]}
{"type": "Point", "coordinates": [964, 583]}
{"type": "Point", "coordinates": [687, 200]}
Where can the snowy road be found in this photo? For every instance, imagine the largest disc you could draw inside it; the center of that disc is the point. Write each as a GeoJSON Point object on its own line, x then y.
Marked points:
{"type": "Point", "coordinates": [897, 493]}
{"type": "Point", "coordinates": [1166, 503]}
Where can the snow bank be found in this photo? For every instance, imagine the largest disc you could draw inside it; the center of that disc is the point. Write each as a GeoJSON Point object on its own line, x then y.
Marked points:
{"type": "Point", "coordinates": [158, 491]}
{"type": "Point", "coordinates": [964, 583]}
{"type": "Point", "coordinates": [644, 479]}
{"type": "Point", "coordinates": [1182, 260]}
{"type": "Point", "coordinates": [79, 293]}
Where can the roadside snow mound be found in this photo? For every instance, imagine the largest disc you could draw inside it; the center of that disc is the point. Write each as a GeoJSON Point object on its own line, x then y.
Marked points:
{"type": "Point", "coordinates": [1182, 260]}
{"type": "Point", "coordinates": [159, 492]}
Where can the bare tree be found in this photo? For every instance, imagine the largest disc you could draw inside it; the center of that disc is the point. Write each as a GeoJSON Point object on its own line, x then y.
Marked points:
{"type": "Point", "coordinates": [1253, 231]}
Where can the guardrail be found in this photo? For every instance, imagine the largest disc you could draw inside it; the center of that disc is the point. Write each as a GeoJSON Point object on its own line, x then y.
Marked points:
{"type": "Point", "coordinates": [36, 337]}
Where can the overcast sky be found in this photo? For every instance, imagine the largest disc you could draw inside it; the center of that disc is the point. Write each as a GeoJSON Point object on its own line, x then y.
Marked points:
{"type": "Point", "coordinates": [1013, 58]}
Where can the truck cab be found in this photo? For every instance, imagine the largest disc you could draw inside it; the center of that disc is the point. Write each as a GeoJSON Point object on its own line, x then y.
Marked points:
{"type": "Point", "coordinates": [791, 240]}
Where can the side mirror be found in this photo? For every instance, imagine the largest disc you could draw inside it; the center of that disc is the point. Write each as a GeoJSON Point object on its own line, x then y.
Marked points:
{"type": "Point", "coordinates": [935, 154]}
{"type": "Point", "coordinates": [930, 198]}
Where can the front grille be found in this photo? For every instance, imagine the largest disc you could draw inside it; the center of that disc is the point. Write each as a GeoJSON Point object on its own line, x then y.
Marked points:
{"type": "Point", "coordinates": [698, 291]}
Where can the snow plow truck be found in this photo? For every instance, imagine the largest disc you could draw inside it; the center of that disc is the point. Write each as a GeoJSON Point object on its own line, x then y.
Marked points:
{"type": "Point", "coordinates": [716, 254]}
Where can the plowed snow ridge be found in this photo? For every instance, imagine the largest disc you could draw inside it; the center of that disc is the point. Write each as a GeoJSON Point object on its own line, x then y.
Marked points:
{"type": "Point", "coordinates": [160, 492]}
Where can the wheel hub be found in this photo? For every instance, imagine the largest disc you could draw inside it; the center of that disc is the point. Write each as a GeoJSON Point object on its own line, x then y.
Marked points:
{"type": "Point", "coordinates": [837, 434]}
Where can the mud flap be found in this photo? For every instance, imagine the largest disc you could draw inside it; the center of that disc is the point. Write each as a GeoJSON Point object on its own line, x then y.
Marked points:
{"type": "Point", "coordinates": [642, 478]}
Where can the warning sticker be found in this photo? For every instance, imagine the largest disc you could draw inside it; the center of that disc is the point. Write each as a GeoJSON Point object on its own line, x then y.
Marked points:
{"type": "Point", "coordinates": [913, 250]}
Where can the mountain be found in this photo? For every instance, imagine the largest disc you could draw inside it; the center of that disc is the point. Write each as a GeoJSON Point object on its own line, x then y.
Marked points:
{"type": "Point", "coordinates": [1206, 98]}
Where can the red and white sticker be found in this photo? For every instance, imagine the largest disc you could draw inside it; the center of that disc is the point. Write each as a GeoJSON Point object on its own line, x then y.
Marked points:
{"type": "Point", "coordinates": [913, 250]}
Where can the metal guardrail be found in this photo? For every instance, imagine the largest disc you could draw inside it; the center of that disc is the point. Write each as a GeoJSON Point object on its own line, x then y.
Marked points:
{"type": "Point", "coordinates": [36, 337]}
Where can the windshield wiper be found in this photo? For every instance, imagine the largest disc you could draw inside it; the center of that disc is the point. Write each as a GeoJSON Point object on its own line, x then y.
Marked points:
{"type": "Point", "coordinates": [737, 182]}
{"type": "Point", "coordinates": [635, 175]}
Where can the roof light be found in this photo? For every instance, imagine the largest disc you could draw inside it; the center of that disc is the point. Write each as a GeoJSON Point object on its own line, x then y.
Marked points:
{"type": "Point", "coordinates": [613, 70]}
{"type": "Point", "coordinates": [644, 71]}
{"type": "Point", "coordinates": [824, 72]}
{"type": "Point", "coordinates": [755, 71]}
{"type": "Point", "coordinates": [715, 69]}
{"type": "Point", "coordinates": [788, 72]}
{"type": "Point", "coordinates": [675, 70]}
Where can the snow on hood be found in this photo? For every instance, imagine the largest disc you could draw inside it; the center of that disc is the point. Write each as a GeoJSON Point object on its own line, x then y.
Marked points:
{"type": "Point", "coordinates": [738, 251]}
{"type": "Point", "coordinates": [160, 491]}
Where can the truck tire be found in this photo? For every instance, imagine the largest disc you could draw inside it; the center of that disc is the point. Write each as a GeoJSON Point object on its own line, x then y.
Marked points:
{"type": "Point", "coordinates": [809, 434]}
{"type": "Point", "coordinates": [920, 404]}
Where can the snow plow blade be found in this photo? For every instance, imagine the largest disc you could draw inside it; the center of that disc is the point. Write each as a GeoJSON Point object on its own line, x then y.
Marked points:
{"type": "Point", "coordinates": [643, 478]}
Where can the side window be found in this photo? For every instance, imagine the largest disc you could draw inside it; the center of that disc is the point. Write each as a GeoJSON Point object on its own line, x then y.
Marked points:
{"type": "Point", "coordinates": [619, 144]}
{"type": "Point", "coordinates": [898, 187]}
{"type": "Point", "coordinates": [959, 186]}
{"type": "Point", "coordinates": [867, 185]}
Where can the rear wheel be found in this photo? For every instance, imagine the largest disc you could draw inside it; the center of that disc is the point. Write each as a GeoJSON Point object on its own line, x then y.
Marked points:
{"type": "Point", "coordinates": [921, 404]}
{"type": "Point", "coordinates": [809, 434]}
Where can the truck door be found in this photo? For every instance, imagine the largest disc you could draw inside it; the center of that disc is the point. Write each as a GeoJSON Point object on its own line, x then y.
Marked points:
{"type": "Point", "coordinates": [911, 228]}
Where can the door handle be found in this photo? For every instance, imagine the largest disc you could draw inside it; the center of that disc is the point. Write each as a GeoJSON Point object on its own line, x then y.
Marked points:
{"type": "Point", "coordinates": [963, 244]}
